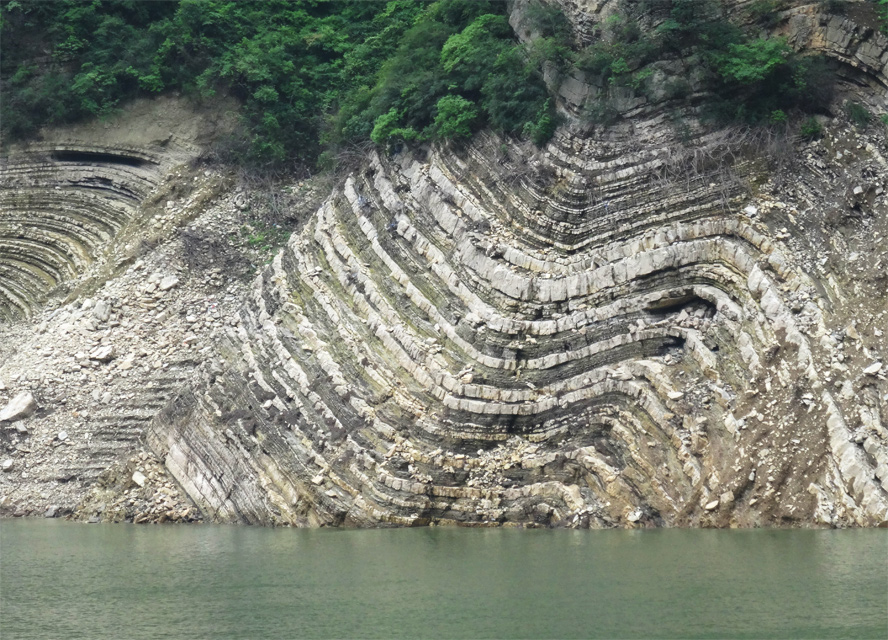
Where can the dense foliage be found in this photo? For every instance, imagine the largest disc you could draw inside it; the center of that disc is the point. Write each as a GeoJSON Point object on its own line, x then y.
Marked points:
{"type": "Point", "coordinates": [307, 73]}
{"type": "Point", "coordinates": [743, 78]}
{"type": "Point", "coordinates": [315, 75]}
{"type": "Point", "coordinates": [457, 68]}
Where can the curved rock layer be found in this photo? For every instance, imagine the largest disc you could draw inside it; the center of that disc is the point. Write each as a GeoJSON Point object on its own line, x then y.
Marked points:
{"type": "Point", "coordinates": [471, 338]}
{"type": "Point", "coordinates": [60, 206]}
{"type": "Point", "coordinates": [617, 330]}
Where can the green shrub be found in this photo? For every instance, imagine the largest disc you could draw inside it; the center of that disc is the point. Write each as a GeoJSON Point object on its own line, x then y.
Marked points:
{"type": "Point", "coordinates": [541, 129]}
{"type": "Point", "coordinates": [751, 62]}
{"type": "Point", "coordinates": [858, 114]}
{"type": "Point", "coordinates": [455, 117]}
{"type": "Point", "coordinates": [810, 129]}
{"type": "Point", "coordinates": [778, 116]}
{"type": "Point", "coordinates": [386, 128]}
{"type": "Point", "coordinates": [621, 52]}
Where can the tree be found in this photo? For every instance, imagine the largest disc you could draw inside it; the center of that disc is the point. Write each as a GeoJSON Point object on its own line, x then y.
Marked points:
{"type": "Point", "coordinates": [455, 117]}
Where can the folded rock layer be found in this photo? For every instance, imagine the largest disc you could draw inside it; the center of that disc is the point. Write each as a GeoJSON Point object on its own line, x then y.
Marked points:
{"type": "Point", "coordinates": [646, 324]}
{"type": "Point", "coordinates": [61, 205]}
{"type": "Point", "coordinates": [469, 337]}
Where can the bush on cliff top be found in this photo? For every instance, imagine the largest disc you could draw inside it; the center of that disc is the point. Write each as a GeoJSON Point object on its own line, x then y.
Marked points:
{"type": "Point", "coordinates": [747, 79]}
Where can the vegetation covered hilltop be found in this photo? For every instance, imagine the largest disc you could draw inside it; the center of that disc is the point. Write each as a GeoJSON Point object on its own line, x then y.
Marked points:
{"type": "Point", "coordinates": [315, 76]}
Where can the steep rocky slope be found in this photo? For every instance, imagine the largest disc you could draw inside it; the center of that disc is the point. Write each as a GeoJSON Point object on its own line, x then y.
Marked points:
{"type": "Point", "coordinates": [444, 343]}
{"type": "Point", "coordinates": [165, 262]}
{"type": "Point", "coordinates": [634, 326]}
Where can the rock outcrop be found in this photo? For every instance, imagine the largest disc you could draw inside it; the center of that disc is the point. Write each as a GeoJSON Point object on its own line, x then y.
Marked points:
{"type": "Point", "coordinates": [62, 204]}
{"type": "Point", "coordinates": [634, 327]}
{"type": "Point", "coordinates": [463, 338]}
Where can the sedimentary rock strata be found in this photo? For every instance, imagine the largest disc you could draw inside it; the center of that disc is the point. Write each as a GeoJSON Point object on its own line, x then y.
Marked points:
{"type": "Point", "coordinates": [634, 326]}
{"type": "Point", "coordinates": [459, 338]}
{"type": "Point", "coordinates": [61, 205]}
{"type": "Point", "coordinates": [113, 344]}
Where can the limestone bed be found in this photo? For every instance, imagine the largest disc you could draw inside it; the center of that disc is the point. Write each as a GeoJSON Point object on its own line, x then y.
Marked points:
{"type": "Point", "coordinates": [604, 332]}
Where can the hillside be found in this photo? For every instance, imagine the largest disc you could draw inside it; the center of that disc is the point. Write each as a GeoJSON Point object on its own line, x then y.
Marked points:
{"type": "Point", "coordinates": [655, 295]}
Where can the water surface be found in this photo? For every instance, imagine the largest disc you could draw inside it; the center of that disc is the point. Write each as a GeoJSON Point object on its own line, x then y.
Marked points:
{"type": "Point", "coordinates": [64, 580]}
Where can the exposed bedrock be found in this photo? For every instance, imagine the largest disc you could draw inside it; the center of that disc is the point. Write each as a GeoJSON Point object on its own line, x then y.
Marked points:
{"type": "Point", "coordinates": [60, 206]}
{"type": "Point", "coordinates": [480, 336]}
{"type": "Point", "coordinates": [635, 326]}
{"type": "Point", "coordinates": [66, 198]}
{"type": "Point", "coordinates": [852, 38]}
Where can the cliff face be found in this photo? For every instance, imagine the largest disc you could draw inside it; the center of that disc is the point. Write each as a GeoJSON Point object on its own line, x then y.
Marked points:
{"type": "Point", "coordinates": [619, 329]}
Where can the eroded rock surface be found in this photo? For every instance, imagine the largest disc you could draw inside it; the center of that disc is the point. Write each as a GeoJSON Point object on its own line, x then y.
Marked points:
{"type": "Point", "coordinates": [621, 329]}
{"type": "Point", "coordinates": [456, 338]}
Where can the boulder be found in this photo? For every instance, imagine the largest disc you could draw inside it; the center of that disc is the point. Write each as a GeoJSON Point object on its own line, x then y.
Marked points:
{"type": "Point", "coordinates": [20, 407]}
{"type": "Point", "coordinates": [873, 369]}
{"type": "Point", "coordinates": [168, 283]}
{"type": "Point", "coordinates": [101, 311]}
{"type": "Point", "coordinates": [139, 478]}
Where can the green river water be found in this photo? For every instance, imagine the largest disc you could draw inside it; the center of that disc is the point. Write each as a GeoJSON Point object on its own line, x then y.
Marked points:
{"type": "Point", "coordinates": [62, 580]}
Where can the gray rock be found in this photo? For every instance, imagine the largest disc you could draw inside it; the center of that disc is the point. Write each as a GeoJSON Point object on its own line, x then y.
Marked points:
{"type": "Point", "coordinates": [139, 478]}
{"type": "Point", "coordinates": [873, 369]}
{"type": "Point", "coordinates": [20, 407]}
{"type": "Point", "coordinates": [7, 465]}
{"type": "Point", "coordinates": [168, 283]}
{"type": "Point", "coordinates": [102, 311]}
{"type": "Point", "coordinates": [51, 512]}
{"type": "Point", "coordinates": [104, 353]}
